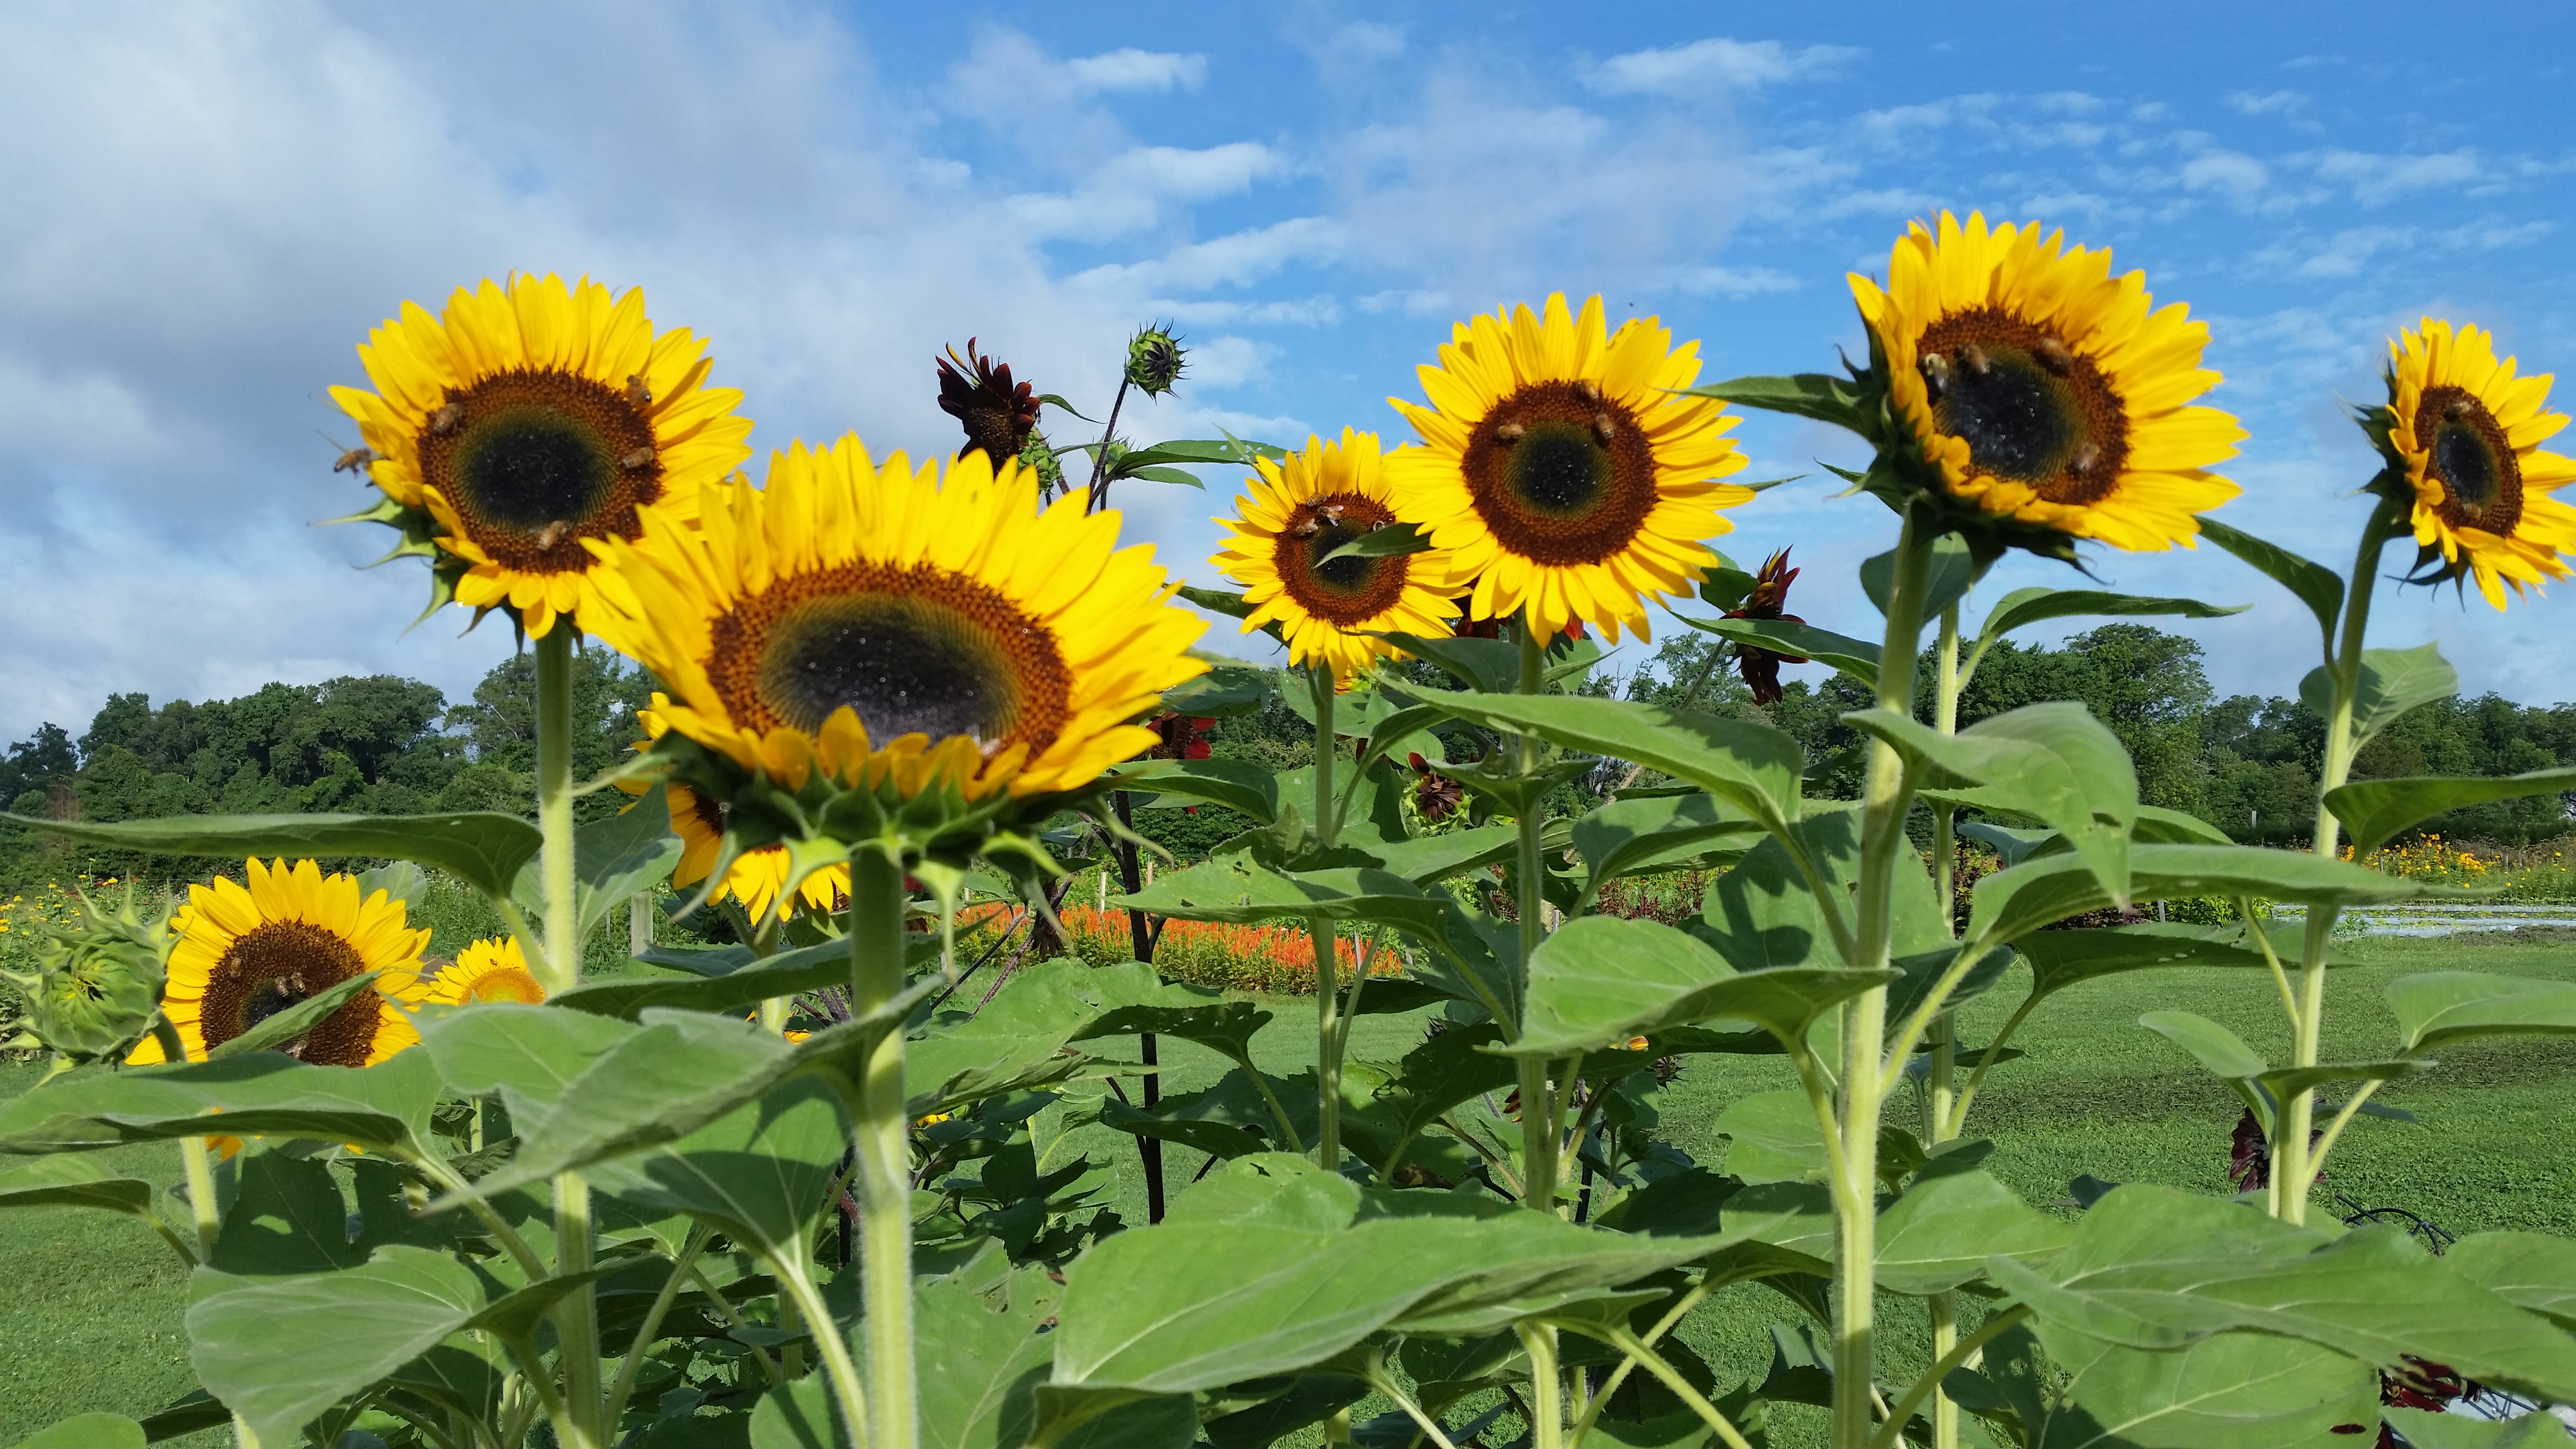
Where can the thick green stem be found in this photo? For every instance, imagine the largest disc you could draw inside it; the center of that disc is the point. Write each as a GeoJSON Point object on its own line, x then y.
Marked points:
{"type": "Point", "coordinates": [1538, 1122]}
{"type": "Point", "coordinates": [1328, 1056]}
{"type": "Point", "coordinates": [883, 1140]}
{"type": "Point", "coordinates": [2292, 1163]}
{"type": "Point", "coordinates": [1546, 1385]}
{"type": "Point", "coordinates": [1938, 1089]}
{"type": "Point", "coordinates": [577, 1316]}
{"type": "Point", "coordinates": [843, 1370]}
{"type": "Point", "coordinates": [194, 1158]}
{"type": "Point", "coordinates": [1855, 1188]}
{"type": "Point", "coordinates": [1892, 1431]}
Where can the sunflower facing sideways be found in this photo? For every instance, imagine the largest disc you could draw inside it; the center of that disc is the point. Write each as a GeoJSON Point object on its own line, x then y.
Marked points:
{"type": "Point", "coordinates": [2469, 432]}
{"type": "Point", "coordinates": [1298, 512]}
{"type": "Point", "coordinates": [247, 951]}
{"type": "Point", "coordinates": [756, 876]}
{"type": "Point", "coordinates": [891, 630]}
{"type": "Point", "coordinates": [529, 420]}
{"type": "Point", "coordinates": [2044, 389]}
{"type": "Point", "coordinates": [487, 971]}
{"type": "Point", "coordinates": [1562, 472]}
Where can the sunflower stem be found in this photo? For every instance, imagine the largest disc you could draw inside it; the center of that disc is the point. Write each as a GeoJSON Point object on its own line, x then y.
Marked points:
{"type": "Point", "coordinates": [1100, 457]}
{"type": "Point", "coordinates": [577, 1317]}
{"type": "Point", "coordinates": [1885, 799]}
{"type": "Point", "coordinates": [882, 1138]}
{"type": "Point", "coordinates": [2294, 1167]}
{"type": "Point", "coordinates": [1538, 1122]}
{"type": "Point", "coordinates": [194, 1157]}
{"type": "Point", "coordinates": [1939, 1092]}
{"type": "Point", "coordinates": [1328, 986]}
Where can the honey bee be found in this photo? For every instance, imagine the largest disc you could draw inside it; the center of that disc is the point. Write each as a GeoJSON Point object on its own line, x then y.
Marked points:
{"type": "Point", "coordinates": [636, 390]}
{"type": "Point", "coordinates": [637, 461]}
{"type": "Point", "coordinates": [352, 460]}
{"type": "Point", "coordinates": [447, 419]}
{"type": "Point", "coordinates": [552, 534]}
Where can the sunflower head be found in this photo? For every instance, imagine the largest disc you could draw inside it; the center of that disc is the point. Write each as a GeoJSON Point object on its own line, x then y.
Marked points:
{"type": "Point", "coordinates": [487, 971]}
{"type": "Point", "coordinates": [1286, 546]}
{"type": "Point", "coordinates": [285, 934]}
{"type": "Point", "coordinates": [858, 630]}
{"type": "Point", "coordinates": [1155, 359]}
{"type": "Point", "coordinates": [527, 422]}
{"type": "Point", "coordinates": [2463, 434]}
{"type": "Point", "coordinates": [977, 391]}
{"type": "Point", "coordinates": [1562, 470]}
{"type": "Point", "coordinates": [2041, 393]}
{"type": "Point", "coordinates": [1769, 599]}
{"type": "Point", "coordinates": [97, 980]}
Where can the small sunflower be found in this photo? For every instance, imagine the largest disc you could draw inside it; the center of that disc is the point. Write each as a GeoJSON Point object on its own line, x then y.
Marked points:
{"type": "Point", "coordinates": [532, 419]}
{"type": "Point", "coordinates": [2470, 434]}
{"type": "Point", "coordinates": [2047, 390]}
{"type": "Point", "coordinates": [1300, 510]}
{"type": "Point", "coordinates": [756, 876]}
{"type": "Point", "coordinates": [487, 971]}
{"type": "Point", "coordinates": [248, 951]}
{"type": "Point", "coordinates": [1562, 472]}
{"type": "Point", "coordinates": [891, 628]}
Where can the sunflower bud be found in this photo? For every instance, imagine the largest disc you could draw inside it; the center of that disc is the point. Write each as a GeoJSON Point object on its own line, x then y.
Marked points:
{"type": "Point", "coordinates": [1038, 456]}
{"type": "Point", "coordinates": [1154, 360]}
{"type": "Point", "coordinates": [97, 982]}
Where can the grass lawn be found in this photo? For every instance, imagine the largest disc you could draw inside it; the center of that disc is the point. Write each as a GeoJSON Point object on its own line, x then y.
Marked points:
{"type": "Point", "coordinates": [91, 1318]}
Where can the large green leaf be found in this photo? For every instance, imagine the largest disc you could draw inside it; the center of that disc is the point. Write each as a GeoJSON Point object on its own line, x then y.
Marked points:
{"type": "Point", "coordinates": [1239, 785]}
{"type": "Point", "coordinates": [2533, 1270]}
{"type": "Point", "coordinates": [1951, 572]}
{"type": "Point", "coordinates": [762, 1175]}
{"type": "Point", "coordinates": [1818, 395]}
{"type": "Point", "coordinates": [70, 1181]}
{"type": "Point", "coordinates": [806, 968]}
{"type": "Point", "coordinates": [2318, 587]}
{"type": "Point", "coordinates": [1440, 1074]}
{"type": "Point", "coordinates": [482, 847]}
{"type": "Point", "coordinates": [1430, 859]}
{"type": "Point", "coordinates": [528, 1054]}
{"type": "Point", "coordinates": [2223, 1052]}
{"type": "Point", "coordinates": [1238, 888]}
{"type": "Point", "coordinates": [1772, 1137]}
{"type": "Point", "coordinates": [2392, 682]}
{"type": "Point", "coordinates": [1490, 665]}
{"type": "Point", "coordinates": [2012, 903]}
{"type": "Point", "coordinates": [1855, 657]}
{"type": "Point", "coordinates": [2059, 959]}
{"type": "Point", "coordinates": [88, 1431]}
{"type": "Point", "coordinates": [982, 1356]}
{"type": "Point", "coordinates": [1600, 980]}
{"type": "Point", "coordinates": [280, 1353]}
{"type": "Point", "coordinates": [384, 1107]}
{"type": "Point", "coordinates": [1635, 836]}
{"type": "Point", "coordinates": [1752, 767]}
{"type": "Point", "coordinates": [1764, 914]}
{"type": "Point", "coordinates": [2054, 761]}
{"type": "Point", "coordinates": [2229, 1391]}
{"type": "Point", "coordinates": [2154, 1268]}
{"type": "Point", "coordinates": [1941, 1232]}
{"type": "Point", "coordinates": [2030, 606]}
{"type": "Point", "coordinates": [2435, 1008]}
{"type": "Point", "coordinates": [2373, 812]}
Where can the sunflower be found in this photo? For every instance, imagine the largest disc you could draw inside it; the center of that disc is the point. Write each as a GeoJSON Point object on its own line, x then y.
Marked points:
{"type": "Point", "coordinates": [531, 419]}
{"type": "Point", "coordinates": [1562, 471]}
{"type": "Point", "coordinates": [2470, 433]}
{"type": "Point", "coordinates": [246, 952]}
{"type": "Point", "coordinates": [1299, 511]}
{"type": "Point", "coordinates": [895, 629]}
{"type": "Point", "coordinates": [2047, 390]}
{"type": "Point", "coordinates": [756, 876]}
{"type": "Point", "coordinates": [487, 971]}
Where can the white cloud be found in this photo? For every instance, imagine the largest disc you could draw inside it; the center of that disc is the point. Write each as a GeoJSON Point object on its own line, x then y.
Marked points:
{"type": "Point", "coordinates": [2232, 172]}
{"type": "Point", "coordinates": [2269, 103]}
{"type": "Point", "coordinates": [1733, 281]}
{"type": "Point", "coordinates": [1715, 64]}
{"type": "Point", "coordinates": [1130, 69]}
{"type": "Point", "coordinates": [2379, 179]}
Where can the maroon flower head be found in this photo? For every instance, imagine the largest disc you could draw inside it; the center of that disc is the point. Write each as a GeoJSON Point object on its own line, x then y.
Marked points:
{"type": "Point", "coordinates": [977, 392]}
{"type": "Point", "coordinates": [1769, 600]}
{"type": "Point", "coordinates": [1435, 795]}
{"type": "Point", "coordinates": [1184, 736]}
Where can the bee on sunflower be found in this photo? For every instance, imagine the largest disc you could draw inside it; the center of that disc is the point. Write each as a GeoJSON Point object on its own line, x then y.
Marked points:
{"type": "Point", "coordinates": [247, 950]}
{"type": "Point", "coordinates": [2043, 397]}
{"type": "Point", "coordinates": [2462, 435]}
{"type": "Point", "coordinates": [1565, 470]}
{"type": "Point", "coordinates": [1285, 545]}
{"type": "Point", "coordinates": [527, 422]}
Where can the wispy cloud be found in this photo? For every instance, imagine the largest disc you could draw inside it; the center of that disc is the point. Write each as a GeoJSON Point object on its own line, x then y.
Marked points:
{"type": "Point", "coordinates": [1130, 69]}
{"type": "Point", "coordinates": [1715, 64]}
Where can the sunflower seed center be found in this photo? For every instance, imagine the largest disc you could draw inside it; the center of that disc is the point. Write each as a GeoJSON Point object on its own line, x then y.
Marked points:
{"type": "Point", "coordinates": [277, 965]}
{"type": "Point", "coordinates": [2031, 409]}
{"type": "Point", "coordinates": [1560, 474]}
{"type": "Point", "coordinates": [535, 461]}
{"type": "Point", "coordinates": [2468, 451]}
{"type": "Point", "coordinates": [1344, 592]}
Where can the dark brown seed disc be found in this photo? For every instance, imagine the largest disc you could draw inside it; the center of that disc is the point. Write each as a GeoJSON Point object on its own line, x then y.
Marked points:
{"type": "Point", "coordinates": [277, 964]}
{"type": "Point", "coordinates": [1560, 474]}
{"type": "Point", "coordinates": [1343, 592]}
{"type": "Point", "coordinates": [2030, 409]}
{"type": "Point", "coordinates": [911, 649]}
{"type": "Point", "coordinates": [2468, 451]}
{"type": "Point", "coordinates": [536, 461]}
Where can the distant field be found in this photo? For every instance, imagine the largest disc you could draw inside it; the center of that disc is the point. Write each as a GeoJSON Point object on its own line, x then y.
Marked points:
{"type": "Point", "coordinates": [90, 1320]}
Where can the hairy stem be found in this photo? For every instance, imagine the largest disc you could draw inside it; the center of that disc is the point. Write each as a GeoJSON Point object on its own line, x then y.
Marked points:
{"type": "Point", "coordinates": [577, 1316]}
{"type": "Point", "coordinates": [1538, 1124]}
{"type": "Point", "coordinates": [1100, 456]}
{"type": "Point", "coordinates": [1547, 1411]}
{"type": "Point", "coordinates": [1328, 986]}
{"type": "Point", "coordinates": [843, 1370]}
{"type": "Point", "coordinates": [1884, 801]}
{"type": "Point", "coordinates": [882, 1137]}
{"type": "Point", "coordinates": [1959, 1353]}
{"type": "Point", "coordinates": [198, 1162]}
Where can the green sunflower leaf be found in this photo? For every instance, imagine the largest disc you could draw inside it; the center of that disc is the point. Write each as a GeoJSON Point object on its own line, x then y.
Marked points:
{"type": "Point", "coordinates": [88, 1431]}
{"type": "Point", "coordinates": [2030, 606]}
{"type": "Point", "coordinates": [2436, 1008]}
{"type": "Point", "coordinates": [483, 847]}
{"type": "Point", "coordinates": [1600, 980]}
{"type": "Point", "coordinates": [69, 1181]}
{"type": "Point", "coordinates": [2374, 812]}
{"type": "Point", "coordinates": [2392, 682]}
{"type": "Point", "coordinates": [1638, 836]}
{"type": "Point", "coordinates": [1855, 657]}
{"type": "Point", "coordinates": [613, 858]}
{"type": "Point", "coordinates": [1239, 785]}
{"type": "Point", "coordinates": [2054, 761]}
{"type": "Point", "coordinates": [1954, 569]}
{"type": "Point", "coordinates": [2228, 1391]}
{"type": "Point", "coordinates": [2317, 586]}
{"type": "Point", "coordinates": [385, 1107]}
{"type": "Point", "coordinates": [1817, 395]}
{"type": "Point", "coordinates": [1490, 665]}
{"type": "Point", "coordinates": [1941, 1232]}
{"type": "Point", "coordinates": [280, 1353]}
{"type": "Point", "coordinates": [1226, 689]}
{"type": "Point", "coordinates": [1390, 541]}
{"type": "Point", "coordinates": [2012, 903]}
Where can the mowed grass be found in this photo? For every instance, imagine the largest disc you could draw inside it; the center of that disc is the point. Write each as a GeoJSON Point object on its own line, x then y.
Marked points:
{"type": "Point", "coordinates": [91, 1320]}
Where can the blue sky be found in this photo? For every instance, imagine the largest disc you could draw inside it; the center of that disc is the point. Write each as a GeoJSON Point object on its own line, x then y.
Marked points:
{"type": "Point", "coordinates": [208, 207]}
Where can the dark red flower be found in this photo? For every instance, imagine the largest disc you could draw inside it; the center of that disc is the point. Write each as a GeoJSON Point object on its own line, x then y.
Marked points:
{"type": "Point", "coordinates": [977, 392]}
{"type": "Point", "coordinates": [1770, 596]}
{"type": "Point", "coordinates": [1184, 736]}
{"type": "Point", "coordinates": [1435, 795]}
{"type": "Point", "coordinates": [2249, 1157]}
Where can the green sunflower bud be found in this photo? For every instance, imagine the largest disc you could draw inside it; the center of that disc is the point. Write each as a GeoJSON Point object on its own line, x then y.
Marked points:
{"type": "Point", "coordinates": [97, 983]}
{"type": "Point", "coordinates": [1154, 360]}
{"type": "Point", "coordinates": [1038, 456]}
